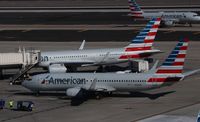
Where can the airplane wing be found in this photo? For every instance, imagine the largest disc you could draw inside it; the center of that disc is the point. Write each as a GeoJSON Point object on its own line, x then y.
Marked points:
{"type": "Point", "coordinates": [104, 88]}
{"type": "Point", "coordinates": [98, 87]}
{"type": "Point", "coordinates": [74, 63]}
{"type": "Point", "coordinates": [89, 87]}
{"type": "Point", "coordinates": [186, 74]}
{"type": "Point", "coordinates": [103, 63]}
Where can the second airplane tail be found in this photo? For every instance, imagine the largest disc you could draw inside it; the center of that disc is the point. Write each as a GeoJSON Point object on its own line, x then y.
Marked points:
{"type": "Point", "coordinates": [171, 69]}
{"type": "Point", "coordinates": [136, 11]}
{"type": "Point", "coordinates": [144, 40]}
{"type": "Point", "coordinates": [175, 61]}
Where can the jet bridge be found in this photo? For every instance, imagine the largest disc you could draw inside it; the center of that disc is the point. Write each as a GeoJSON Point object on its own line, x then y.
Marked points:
{"type": "Point", "coordinates": [23, 59]}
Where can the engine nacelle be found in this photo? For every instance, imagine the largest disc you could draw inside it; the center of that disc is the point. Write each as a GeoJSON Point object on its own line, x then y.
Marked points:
{"type": "Point", "coordinates": [57, 68]}
{"type": "Point", "coordinates": [72, 92]}
{"type": "Point", "coordinates": [169, 23]}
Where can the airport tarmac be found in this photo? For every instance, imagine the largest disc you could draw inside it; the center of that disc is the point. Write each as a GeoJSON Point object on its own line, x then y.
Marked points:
{"type": "Point", "coordinates": [21, 36]}
{"type": "Point", "coordinates": [177, 103]}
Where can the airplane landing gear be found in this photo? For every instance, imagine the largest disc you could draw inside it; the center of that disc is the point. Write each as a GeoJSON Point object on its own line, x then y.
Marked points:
{"type": "Point", "coordinates": [37, 93]}
{"type": "Point", "coordinates": [98, 96]}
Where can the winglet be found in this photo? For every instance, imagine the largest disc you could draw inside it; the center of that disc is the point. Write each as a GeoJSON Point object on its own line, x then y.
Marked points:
{"type": "Point", "coordinates": [82, 45]}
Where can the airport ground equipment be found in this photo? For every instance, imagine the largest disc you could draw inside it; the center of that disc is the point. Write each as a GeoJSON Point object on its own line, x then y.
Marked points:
{"type": "Point", "coordinates": [23, 59]}
{"type": "Point", "coordinates": [25, 105]}
{"type": "Point", "coordinates": [2, 103]}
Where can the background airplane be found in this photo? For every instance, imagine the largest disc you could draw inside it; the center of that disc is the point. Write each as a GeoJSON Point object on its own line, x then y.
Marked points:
{"type": "Point", "coordinates": [168, 18]}
{"type": "Point", "coordinates": [77, 84]}
{"type": "Point", "coordinates": [139, 48]}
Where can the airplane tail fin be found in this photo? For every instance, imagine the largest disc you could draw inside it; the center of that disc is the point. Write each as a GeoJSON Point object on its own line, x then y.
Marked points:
{"type": "Point", "coordinates": [144, 40]}
{"type": "Point", "coordinates": [175, 61]}
{"type": "Point", "coordinates": [171, 69]}
{"type": "Point", "coordinates": [136, 11]}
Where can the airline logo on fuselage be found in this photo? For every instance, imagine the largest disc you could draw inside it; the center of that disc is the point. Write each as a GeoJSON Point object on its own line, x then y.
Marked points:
{"type": "Point", "coordinates": [68, 81]}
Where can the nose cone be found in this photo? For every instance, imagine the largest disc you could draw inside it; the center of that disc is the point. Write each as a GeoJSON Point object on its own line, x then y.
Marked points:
{"type": "Point", "coordinates": [30, 84]}
{"type": "Point", "coordinates": [26, 84]}
{"type": "Point", "coordinates": [197, 18]}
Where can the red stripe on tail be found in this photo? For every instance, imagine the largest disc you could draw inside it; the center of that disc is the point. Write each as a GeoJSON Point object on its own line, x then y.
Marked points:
{"type": "Point", "coordinates": [137, 48]}
{"type": "Point", "coordinates": [169, 71]}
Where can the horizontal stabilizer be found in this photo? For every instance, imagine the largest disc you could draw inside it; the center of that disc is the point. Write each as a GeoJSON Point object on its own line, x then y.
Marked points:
{"type": "Point", "coordinates": [146, 54]}
{"type": "Point", "coordinates": [191, 72]}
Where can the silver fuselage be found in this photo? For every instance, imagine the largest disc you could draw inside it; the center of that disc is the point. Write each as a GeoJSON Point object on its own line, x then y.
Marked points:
{"type": "Point", "coordinates": [103, 81]}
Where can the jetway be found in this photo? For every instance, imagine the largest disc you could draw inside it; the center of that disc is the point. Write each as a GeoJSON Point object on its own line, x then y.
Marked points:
{"type": "Point", "coordinates": [23, 59]}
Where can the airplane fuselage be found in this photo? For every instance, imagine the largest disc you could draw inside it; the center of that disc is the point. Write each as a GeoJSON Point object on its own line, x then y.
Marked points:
{"type": "Point", "coordinates": [128, 82]}
{"type": "Point", "coordinates": [89, 56]}
{"type": "Point", "coordinates": [176, 17]}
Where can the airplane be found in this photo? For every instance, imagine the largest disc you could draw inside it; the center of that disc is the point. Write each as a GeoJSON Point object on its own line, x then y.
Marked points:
{"type": "Point", "coordinates": [77, 84]}
{"type": "Point", "coordinates": [139, 48]}
{"type": "Point", "coordinates": [167, 18]}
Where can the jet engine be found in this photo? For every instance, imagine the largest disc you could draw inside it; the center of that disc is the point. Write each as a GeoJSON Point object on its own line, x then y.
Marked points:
{"type": "Point", "coordinates": [57, 68]}
{"type": "Point", "coordinates": [72, 92]}
{"type": "Point", "coordinates": [169, 23]}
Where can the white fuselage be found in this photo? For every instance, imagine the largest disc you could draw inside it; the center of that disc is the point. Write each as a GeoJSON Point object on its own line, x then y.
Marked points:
{"type": "Point", "coordinates": [88, 56]}
{"type": "Point", "coordinates": [176, 17]}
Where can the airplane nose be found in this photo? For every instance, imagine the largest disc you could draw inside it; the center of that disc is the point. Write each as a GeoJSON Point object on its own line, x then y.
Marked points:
{"type": "Point", "coordinates": [198, 18]}
{"type": "Point", "coordinates": [25, 83]}
{"type": "Point", "coordinates": [29, 84]}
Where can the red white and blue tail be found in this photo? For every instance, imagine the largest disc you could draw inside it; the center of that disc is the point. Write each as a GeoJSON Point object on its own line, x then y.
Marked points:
{"type": "Point", "coordinates": [136, 11]}
{"type": "Point", "coordinates": [175, 61]}
{"type": "Point", "coordinates": [144, 40]}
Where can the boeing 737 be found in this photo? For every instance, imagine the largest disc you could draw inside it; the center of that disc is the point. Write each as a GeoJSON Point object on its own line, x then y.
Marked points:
{"type": "Point", "coordinates": [168, 18]}
{"type": "Point", "coordinates": [75, 84]}
{"type": "Point", "coordinates": [139, 48]}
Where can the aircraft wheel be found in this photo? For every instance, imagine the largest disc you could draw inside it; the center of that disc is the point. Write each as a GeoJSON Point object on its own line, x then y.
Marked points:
{"type": "Point", "coordinates": [98, 96]}
{"type": "Point", "coordinates": [37, 93]}
{"type": "Point", "coordinates": [110, 93]}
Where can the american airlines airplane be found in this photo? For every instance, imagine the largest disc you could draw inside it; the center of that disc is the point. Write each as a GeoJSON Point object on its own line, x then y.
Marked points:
{"type": "Point", "coordinates": [76, 84]}
{"type": "Point", "coordinates": [139, 48]}
{"type": "Point", "coordinates": [168, 18]}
